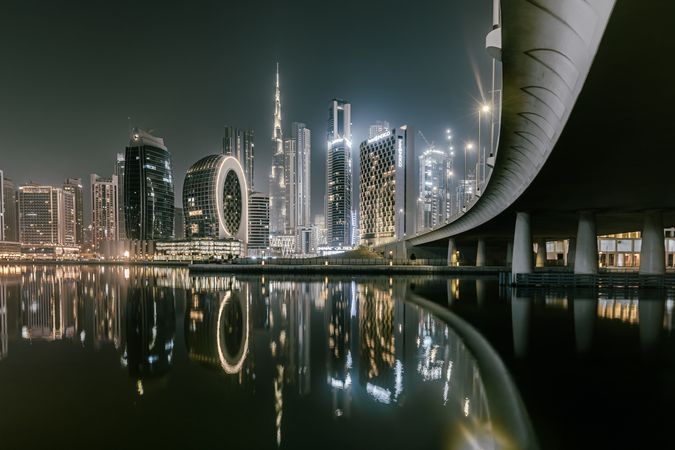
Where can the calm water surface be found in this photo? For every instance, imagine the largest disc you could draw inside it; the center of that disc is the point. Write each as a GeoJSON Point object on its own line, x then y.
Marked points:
{"type": "Point", "coordinates": [113, 357]}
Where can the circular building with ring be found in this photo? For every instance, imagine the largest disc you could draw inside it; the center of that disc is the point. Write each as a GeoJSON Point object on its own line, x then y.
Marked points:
{"type": "Point", "coordinates": [215, 199]}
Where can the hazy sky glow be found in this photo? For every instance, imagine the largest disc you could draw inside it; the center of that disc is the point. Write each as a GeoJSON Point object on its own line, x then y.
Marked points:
{"type": "Point", "coordinates": [73, 71]}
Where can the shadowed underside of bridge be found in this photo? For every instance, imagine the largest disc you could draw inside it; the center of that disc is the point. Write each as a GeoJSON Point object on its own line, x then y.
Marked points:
{"type": "Point", "coordinates": [571, 142]}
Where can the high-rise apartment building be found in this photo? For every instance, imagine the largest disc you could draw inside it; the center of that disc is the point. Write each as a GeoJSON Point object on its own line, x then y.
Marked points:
{"type": "Point", "coordinates": [46, 215]}
{"type": "Point", "coordinates": [259, 223]}
{"type": "Point", "coordinates": [178, 223]}
{"type": "Point", "coordinates": [434, 191]}
{"type": "Point", "coordinates": [239, 143]}
{"type": "Point", "coordinates": [290, 153]}
{"type": "Point", "coordinates": [277, 178]}
{"type": "Point", "coordinates": [339, 175]}
{"type": "Point", "coordinates": [11, 226]}
{"type": "Point", "coordinates": [303, 195]}
{"type": "Point", "coordinates": [119, 171]}
{"type": "Point", "coordinates": [104, 210]}
{"type": "Point", "coordinates": [388, 194]}
{"type": "Point", "coordinates": [74, 186]}
{"type": "Point", "coordinates": [148, 188]}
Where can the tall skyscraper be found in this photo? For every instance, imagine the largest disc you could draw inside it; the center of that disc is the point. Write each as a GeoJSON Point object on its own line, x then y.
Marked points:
{"type": "Point", "coordinates": [259, 223]}
{"type": "Point", "coordinates": [290, 154]}
{"type": "Point", "coordinates": [239, 143]}
{"type": "Point", "coordinates": [46, 215]}
{"type": "Point", "coordinates": [148, 188]}
{"type": "Point", "coordinates": [277, 179]}
{"type": "Point", "coordinates": [74, 186]}
{"type": "Point", "coordinates": [302, 136]}
{"type": "Point", "coordinates": [10, 211]}
{"type": "Point", "coordinates": [178, 223]}
{"type": "Point", "coordinates": [104, 209]}
{"type": "Point", "coordinates": [433, 188]}
{"type": "Point", "coordinates": [339, 174]}
{"type": "Point", "coordinates": [388, 191]}
{"type": "Point", "coordinates": [119, 171]}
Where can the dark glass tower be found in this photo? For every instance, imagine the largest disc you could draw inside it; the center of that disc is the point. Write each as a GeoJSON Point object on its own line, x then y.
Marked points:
{"type": "Point", "coordinates": [148, 188]}
{"type": "Point", "coordinates": [74, 186]}
{"type": "Point", "coordinates": [339, 175]}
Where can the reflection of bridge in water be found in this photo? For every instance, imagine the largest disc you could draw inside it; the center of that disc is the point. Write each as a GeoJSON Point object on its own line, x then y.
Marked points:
{"type": "Point", "coordinates": [354, 345]}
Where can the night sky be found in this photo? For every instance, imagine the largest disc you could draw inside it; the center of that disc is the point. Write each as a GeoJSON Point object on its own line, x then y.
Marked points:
{"type": "Point", "coordinates": [73, 72]}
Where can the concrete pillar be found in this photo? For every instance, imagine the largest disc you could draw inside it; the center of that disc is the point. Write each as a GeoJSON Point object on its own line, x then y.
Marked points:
{"type": "Point", "coordinates": [452, 248]}
{"type": "Point", "coordinates": [522, 245]}
{"type": "Point", "coordinates": [509, 253]}
{"type": "Point", "coordinates": [586, 257]}
{"type": "Point", "coordinates": [653, 251]}
{"type": "Point", "coordinates": [541, 253]}
{"type": "Point", "coordinates": [571, 252]}
{"type": "Point", "coordinates": [480, 253]}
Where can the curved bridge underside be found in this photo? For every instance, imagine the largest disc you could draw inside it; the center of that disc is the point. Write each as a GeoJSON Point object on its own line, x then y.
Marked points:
{"type": "Point", "coordinates": [587, 110]}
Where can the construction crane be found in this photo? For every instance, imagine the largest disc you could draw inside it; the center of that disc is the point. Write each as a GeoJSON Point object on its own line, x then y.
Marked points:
{"type": "Point", "coordinates": [429, 144]}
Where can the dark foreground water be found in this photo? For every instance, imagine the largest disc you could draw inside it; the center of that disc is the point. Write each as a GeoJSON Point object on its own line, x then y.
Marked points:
{"type": "Point", "coordinates": [112, 357]}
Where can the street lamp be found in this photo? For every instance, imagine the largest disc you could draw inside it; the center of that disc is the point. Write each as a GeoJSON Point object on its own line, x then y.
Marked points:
{"type": "Point", "coordinates": [468, 146]}
{"type": "Point", "coordinates": [484, 109]}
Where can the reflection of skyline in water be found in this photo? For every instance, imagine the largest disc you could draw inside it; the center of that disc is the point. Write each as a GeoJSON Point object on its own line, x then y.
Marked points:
{"type": "Point", "coordinates": [273, 339]}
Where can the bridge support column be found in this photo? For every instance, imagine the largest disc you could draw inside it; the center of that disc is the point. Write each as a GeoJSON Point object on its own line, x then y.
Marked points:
{"type": "Point", "coordinates": [522, 245]}
{"type": "Point", "coordinates": [653, 250]}
{"type": "Point", "coordinates": [480, 253]}
{"type": "Point", "coordinates": [509, 253]}
{"type": "Point", "coordinates": [541, 253]}
{"type": "Point", "coordinates": [586, 255]}
{"type": "Point", "coordinates": [571, 252]}
{"type": "Point", "coordinates": [452, 249]}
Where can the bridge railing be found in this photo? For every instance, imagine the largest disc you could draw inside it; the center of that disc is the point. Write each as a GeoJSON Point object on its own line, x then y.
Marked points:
{"type": "Point", "coordinates": [332, 262]}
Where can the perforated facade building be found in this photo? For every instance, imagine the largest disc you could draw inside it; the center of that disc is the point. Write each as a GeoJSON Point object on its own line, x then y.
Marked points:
{"type": "Point", "coordinates": [388, 197]}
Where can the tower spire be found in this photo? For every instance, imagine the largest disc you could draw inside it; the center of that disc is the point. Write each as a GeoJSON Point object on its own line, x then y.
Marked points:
{"type": "Point", "coordinates": [277, 136]}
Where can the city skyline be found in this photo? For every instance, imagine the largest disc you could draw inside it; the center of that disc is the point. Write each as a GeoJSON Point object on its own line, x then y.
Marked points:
{"type": "Point", "coordinates": [190, 113]}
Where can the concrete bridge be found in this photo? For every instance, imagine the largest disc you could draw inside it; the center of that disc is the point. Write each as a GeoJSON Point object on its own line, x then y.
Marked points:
{"type": "Point", "coordinates": [585, 142]}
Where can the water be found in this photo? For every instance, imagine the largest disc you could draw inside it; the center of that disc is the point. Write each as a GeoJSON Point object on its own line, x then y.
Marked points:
{"type": "Point", "coordinates": [113, 357]}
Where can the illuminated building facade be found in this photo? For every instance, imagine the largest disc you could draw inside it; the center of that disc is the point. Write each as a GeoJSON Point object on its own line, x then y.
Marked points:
{"type": "Point", "coordinates": [148, 188]}
{"type": "Point", "coordinates": [432, 205]}
{"type": "Point", "coordinates": [302, 136]}
{"type": "Point", "coordinates": [277, 178]}
{"type": "Point", "coordinates": [339, 175]}
{"type": "Point", "coordinates": [74, 186]}
{"type": "Point", "coordinates": [10, 216]}
{"type": "Point", "coordinates": [239, 143]}
{"type": "Point", "coordinates": [215, 199]}
{"type": "Point", "coordinates": [258, 224]}
{"type": "Point", "coordinates": [46, 215]}
{"type": "Point", "coordinates": [198, 249]}
{"type": "Point", "coordinates": [104, 209]}
{"type": "Point", "coordinates": [388, 194]}
{"type": "Point", "coordinates": [119, 171]}
{"type": "Point", "coordinates": [290, 172]}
